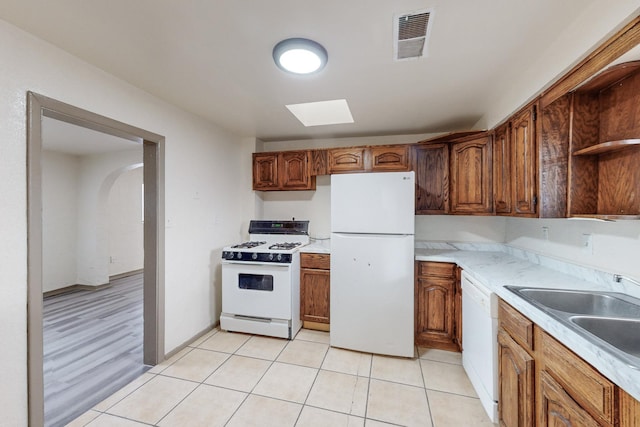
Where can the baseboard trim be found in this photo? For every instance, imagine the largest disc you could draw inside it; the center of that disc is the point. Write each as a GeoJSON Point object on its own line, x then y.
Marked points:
{"type": "Point", "coordinates": [315, 325]}
{"type": "Point", "coordinates": [190, 340]}
{"type": "Point", "coordinates": [74, 288]}
{"type": "Point", "coordinates": [126, 274]}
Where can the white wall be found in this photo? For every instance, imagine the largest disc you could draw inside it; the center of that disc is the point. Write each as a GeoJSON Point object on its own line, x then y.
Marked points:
{"type": "Point", "coordinates": [60, 174]}
{"type": "Point", "coordinates": [615, 248]}
{"type": "Point", "coordinates": [304, 144]}
{"type": "Point", "coordinates": [76, 218]}
{"type": "Point", "coordinates": [314, 206]}
{"type": "Point", "coordinates": [125, 224]}
{"type": "Point", "coordinates": [456, 228]}
{"type": "Point", "coordinates": [98, 172]}
{"type": "Point", "coordinates": [207, 194]}
{"type": "Point", "coordinates": [592, 26]}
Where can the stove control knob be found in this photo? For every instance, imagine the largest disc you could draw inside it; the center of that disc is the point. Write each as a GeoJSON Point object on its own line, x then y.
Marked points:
{"type": "Point", "coordinates": [239, 256]}
{"type": "Point", "coordinates": [254, 256]}
{"type": "Point", "coordinates": [279, 257]}
{"type": "Point", "coordinates": [270, 257]}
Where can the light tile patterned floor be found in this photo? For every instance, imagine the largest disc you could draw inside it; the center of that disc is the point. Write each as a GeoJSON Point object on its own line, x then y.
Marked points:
{"type": "Point", "coordinates": [230, 379]}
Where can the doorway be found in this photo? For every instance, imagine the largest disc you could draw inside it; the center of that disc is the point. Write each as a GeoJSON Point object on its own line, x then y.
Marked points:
{"type": "Point", "coordinates": [39, 107]}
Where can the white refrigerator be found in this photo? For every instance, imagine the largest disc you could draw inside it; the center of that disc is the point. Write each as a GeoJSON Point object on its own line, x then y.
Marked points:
{"type": "Point", "coordinates": [372, 259]}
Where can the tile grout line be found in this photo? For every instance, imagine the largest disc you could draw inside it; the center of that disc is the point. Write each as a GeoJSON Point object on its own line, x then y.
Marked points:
{"type": "Point", "coordinates": [312, 384]}
{"type": "Point", "coordinates": [199, 383]}
{"type": "Point", "coordinates": [426, 395]}
{"type": "Point", "coordinates": [257, 382]}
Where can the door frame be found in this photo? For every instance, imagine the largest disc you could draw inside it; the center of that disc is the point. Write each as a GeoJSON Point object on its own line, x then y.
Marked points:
{"type": "Point", "coordinates": [39, 106]}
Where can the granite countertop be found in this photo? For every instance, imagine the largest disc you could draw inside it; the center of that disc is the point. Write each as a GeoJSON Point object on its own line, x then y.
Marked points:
{"type": "Point", "coordinates": [317, 246]}
{"type": "Point", "coordinates": [499, 269]}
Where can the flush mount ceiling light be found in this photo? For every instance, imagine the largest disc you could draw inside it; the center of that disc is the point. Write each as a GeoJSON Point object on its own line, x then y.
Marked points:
{"type": "Point", "coordinates": [300, 56]}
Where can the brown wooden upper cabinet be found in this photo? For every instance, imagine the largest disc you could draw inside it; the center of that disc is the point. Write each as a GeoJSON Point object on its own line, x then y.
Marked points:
{"type": "Point", "coordinates": [471, 180]}
{"type": "Point", "coordinates": [515, 165]}
{"type": "Point", "coordinates": [287, 170]}
{"type": "Point", "coordinates": [265, 171]}
{"type": "Point", "coordinates": [431, 165]}
{"type": "Point", "coordinates": [341, 160]}
{"type": "Point", "coordinates": [389, 158]}
{"type": "Point", "coordinates": [502, 169]}
{"type": "Point", "coordinates": [383, 158]}
{"type": "Point", "coordinates": [523, 161]}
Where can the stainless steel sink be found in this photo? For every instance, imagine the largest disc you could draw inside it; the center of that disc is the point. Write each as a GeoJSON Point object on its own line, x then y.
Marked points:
{"type": "Point", "coordinates": [583, 302]}
{"type": "Point", "coordinates": [610, 320]}
{"type": "Point", "coordinates": [623, 334]}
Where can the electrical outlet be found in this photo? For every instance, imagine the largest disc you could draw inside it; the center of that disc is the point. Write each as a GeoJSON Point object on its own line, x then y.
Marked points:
{"type": "Point", "coordinates": [587, 243]}
{"type": "Point", "coordinates": [545, 233]}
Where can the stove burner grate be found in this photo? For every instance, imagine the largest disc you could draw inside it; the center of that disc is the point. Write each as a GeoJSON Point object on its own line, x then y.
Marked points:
{"type": "Point", "coordinates": [248, 245]}
{"type": "Point", "coordinates": [285, 246]}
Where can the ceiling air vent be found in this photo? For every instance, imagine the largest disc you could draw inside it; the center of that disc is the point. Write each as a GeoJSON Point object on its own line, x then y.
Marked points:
{"type": "Point", "coordinates": [411, 32]}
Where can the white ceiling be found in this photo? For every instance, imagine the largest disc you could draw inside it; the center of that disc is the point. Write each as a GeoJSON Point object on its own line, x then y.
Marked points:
{"type": "Point", "coordinates": [214, 57]}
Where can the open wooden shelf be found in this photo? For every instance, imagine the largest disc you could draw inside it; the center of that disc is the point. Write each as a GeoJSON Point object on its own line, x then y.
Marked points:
{"type": "Point", "coordinates": [607, 147]}
{"type": "Point", "coordinates": [609, 77]}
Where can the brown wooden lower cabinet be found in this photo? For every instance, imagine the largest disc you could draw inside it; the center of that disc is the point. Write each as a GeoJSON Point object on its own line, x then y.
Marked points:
{"type": "Point", "coordinates": [516, 378]}
{"type": "Point", "coordinates": [543, 383]}
{"type": "Point", "coordinates": [629, 410]}
{"type": "Point", "coordinates": [558, 408]}
{"type": "Point", "coordinates": [436, 324]}
{"type": "Point", "coordinates": [314, 290]}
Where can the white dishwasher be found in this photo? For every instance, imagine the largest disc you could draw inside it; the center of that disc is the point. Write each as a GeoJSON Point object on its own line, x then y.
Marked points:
{"type": "Point", "coordinates": [480, 341]}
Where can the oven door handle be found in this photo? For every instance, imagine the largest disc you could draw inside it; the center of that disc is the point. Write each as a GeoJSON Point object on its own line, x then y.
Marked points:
{"type": "Point", "coordinates": [250, 263]}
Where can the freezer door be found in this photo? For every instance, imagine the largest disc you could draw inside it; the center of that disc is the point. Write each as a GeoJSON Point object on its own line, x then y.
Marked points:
{"type": "Point", "coordinates": [372, 293]}
{"type": "Point", "coordinates": [380, 203]}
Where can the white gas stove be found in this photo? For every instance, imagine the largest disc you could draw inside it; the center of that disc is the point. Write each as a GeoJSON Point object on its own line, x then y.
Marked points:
{"type": "Point", "coordinates": [261, 280]}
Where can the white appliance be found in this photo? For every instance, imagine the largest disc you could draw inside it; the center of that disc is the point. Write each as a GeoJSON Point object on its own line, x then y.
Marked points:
{"type": "Point", "coordinates": [480, 341]}
{"type": "Point", "coordinates": [261, 280]}
{"type": "Point", "coordinates": [372, 258]}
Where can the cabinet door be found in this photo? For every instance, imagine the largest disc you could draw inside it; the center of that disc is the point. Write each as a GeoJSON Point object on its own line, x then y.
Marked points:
{"type": "Point", "coordinates": [516, 379]}
{"type": "Point", "coordinates": [523, 162]}
{"type": "Point", "coordinates": [389, 158]}
{"type": "Point", "coordinates": [346, 160]}
{"type": "Point", "coordinates": [431, 165]}
{"type": "Point", "coordinates": [471, 189]}
{"type": "Point", "coordinates": [502, 169]}
{"type": "Point", "coordinates": [558, 408]}
{"type": "Point", "coordinates": [314, 295]}
{"type": "Point", "coordinates": [294, 170]}
{"type": "Point", "coordinates": [629, 410]}
{"type": "Point", "coordinates": [265, 171]}
{"type": "Point", "coordinates": [458, 309]}
{"type": "Point", "coordinates": [319, 162]}
{"type": "Point", "coordinates": [435, 298]}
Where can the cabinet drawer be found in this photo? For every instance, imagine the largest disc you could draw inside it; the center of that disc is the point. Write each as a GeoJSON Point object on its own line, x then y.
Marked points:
{"type": "Point", "coordinates": [584, 384]}
{"type": "Point", "coordinates": [390, 158]}
{"type": "Point", "coordinates": [442, 269]}
{"type": "Point", "coordinates": [318, 261]}
{"type": "Point", "coordinates": [518, 326]}
{"type": "Point", "coordinates": [346, 160]}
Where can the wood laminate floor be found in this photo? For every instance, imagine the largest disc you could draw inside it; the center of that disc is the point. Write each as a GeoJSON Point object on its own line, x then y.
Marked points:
{"type": "Point", "coordinates": [93, 342]}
